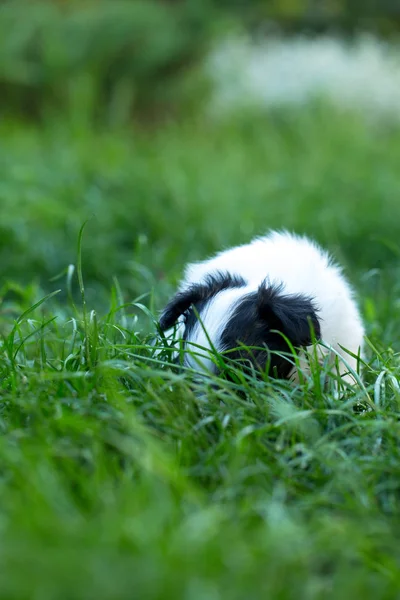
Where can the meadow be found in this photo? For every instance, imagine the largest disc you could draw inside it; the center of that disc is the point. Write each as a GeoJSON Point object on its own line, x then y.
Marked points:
{"type": "Point", "coordinates": [118, 478]}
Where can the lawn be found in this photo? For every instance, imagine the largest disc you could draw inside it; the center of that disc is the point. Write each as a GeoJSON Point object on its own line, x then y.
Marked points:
{"type": "Point", "coordinates": [118, 478]}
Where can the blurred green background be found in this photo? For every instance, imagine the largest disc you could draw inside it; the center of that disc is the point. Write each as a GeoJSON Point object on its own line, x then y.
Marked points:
{"type": "Point", "coordinates": [108, 61]}
{"type": "Point", "coordinates": [176, 129]}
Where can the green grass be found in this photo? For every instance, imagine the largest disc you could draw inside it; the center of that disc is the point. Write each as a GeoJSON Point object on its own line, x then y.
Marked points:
{"type": "Point", "coordinates": [123, 478]}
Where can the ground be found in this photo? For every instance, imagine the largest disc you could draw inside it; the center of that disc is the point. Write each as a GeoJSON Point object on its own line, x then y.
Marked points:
{"type": "Point", "coordinates": [118, 479]}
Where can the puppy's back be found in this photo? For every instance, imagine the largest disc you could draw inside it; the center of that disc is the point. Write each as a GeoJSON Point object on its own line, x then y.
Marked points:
{"type": "Point", "coordinates": [278, 256]}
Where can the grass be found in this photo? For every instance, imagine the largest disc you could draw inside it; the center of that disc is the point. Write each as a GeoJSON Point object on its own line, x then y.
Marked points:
{"type": "Point", "coordinates": [121, 477]}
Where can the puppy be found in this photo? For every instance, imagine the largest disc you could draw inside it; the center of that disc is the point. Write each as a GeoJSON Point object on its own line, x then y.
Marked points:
{"type": "Point", "coordinates": [249, 301]}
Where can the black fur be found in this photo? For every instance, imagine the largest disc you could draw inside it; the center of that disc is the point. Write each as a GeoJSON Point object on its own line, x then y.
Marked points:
{"type": "Point", "coordinates": [254, 321]}
{"type": "Point", "coordinates": [196, 295]}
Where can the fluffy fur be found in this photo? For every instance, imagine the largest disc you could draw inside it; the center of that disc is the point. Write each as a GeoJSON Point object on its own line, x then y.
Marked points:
{"type": "Point", "coordinates": [252, 294]}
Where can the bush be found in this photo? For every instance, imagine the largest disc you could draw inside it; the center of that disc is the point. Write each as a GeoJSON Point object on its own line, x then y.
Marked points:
{"type": "Point", "coordinates": [106, 59]}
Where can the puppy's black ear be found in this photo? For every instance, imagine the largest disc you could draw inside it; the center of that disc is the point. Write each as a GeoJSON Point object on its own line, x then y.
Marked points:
{"type": "Point", "coordinates": [198, 292]}
{"type": "Point", "coordinates": [177, 306]}
{"type": "Point", "coordinates": [295, 315]}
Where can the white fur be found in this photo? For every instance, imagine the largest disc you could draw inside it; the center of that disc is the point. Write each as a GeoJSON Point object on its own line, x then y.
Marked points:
{"type": "Point", "coordinates": [303, 268]}
{"type": "Point", "coordinates": [213, 321]}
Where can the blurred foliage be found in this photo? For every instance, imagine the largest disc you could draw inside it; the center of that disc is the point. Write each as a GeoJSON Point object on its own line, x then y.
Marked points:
{"type": "Point", "coordinates": [104, 59]}
{"type": "Point", "coordinates": [344, 16]}
{"type": "Point", "coordinates": [108, 60]}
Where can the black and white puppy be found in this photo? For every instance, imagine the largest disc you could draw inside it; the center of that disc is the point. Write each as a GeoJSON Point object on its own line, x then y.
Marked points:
{"type": "Point", "coordinates": [248, 296]}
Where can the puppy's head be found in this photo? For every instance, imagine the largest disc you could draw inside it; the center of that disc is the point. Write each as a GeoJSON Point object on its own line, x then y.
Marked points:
{"type": "Point", "coordinates": [225, 314]}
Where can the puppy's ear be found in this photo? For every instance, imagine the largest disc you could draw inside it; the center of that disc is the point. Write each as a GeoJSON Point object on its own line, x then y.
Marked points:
{"type": "Point", "coordinates": [294, 314]}
{"type": "Point", "coordinates": [179, 304]}
{"type": "Point", "coordinates": [197, 292]}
